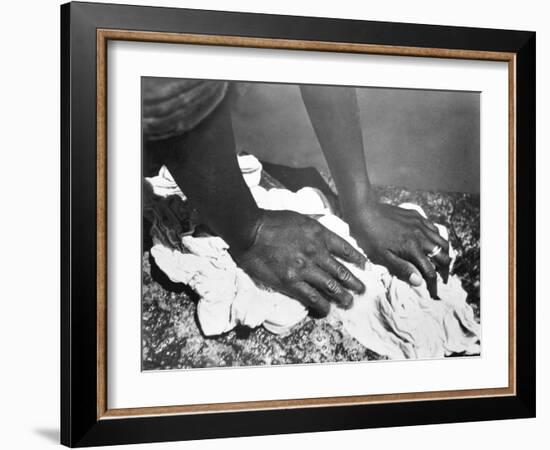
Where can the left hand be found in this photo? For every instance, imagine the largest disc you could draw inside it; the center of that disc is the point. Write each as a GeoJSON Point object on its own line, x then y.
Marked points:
{"type": "Point", "coordinates": [295, 254]}
{"type": "Point", "coordinates": [401, 240]}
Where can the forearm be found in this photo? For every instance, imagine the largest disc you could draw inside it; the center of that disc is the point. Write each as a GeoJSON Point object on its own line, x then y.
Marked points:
{"type": "Point", "coordinates": [396, 239]}
{"type": "Point", "coordinates": [334, 114]}
{"type": "Point", "coordinates": [204, 165]}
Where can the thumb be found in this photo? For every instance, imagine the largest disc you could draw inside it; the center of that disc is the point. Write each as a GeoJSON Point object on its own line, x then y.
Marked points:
{"type": "Point", "coordinates": [403, 270]}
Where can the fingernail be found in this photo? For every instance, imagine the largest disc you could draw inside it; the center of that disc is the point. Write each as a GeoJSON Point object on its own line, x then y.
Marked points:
{"type": "Point", "coordinates": [415, 279]}
{"type": "Point", "coordinates": [347, 302]}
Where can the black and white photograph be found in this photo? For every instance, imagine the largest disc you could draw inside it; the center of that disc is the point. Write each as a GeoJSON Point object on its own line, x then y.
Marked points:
{"type": "Point", "coordinates": [285, 224]}
{"type": "Point", "coordinates": [295, 224]}
{"type": "Point", "coordinates": [278, 224]}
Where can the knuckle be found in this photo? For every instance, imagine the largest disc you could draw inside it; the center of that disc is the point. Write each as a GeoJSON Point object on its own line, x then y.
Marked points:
{"type": "Point", "coordinates": [314, 299]}
{"type": "Point", "coordinates": [347, 250]}
{"type": "Point", "coordinates": [289, 275]}
{"type": "Point", "coordinates": [408, 239]}
{"type": "Point", "coordinates": [418, 234]}
{"type": "Point", "coordinates": [299, 263]}
{"type": "Point", "coordinates": [418, 220]}
{"type": "Point", "coordinates": [428, 224]}
{"type": "Point", "coordinates": [431, 275]}
{"type": "Point", "coordinates": [333, 286]}
{"type": "Point", "coordinates": [313, 226]}
{"type": "Point", "coordinates": [311, 233]}
{"type": "Point", "coordinates": [310, 248]}
{"type": "Point", "coordinates": [343, 274]}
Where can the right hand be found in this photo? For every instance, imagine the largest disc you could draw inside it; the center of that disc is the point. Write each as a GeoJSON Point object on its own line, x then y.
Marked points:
{"type": "Point", "coordinates": [401, 240]}
{"type": "Point", "coordinates": [294, 254]}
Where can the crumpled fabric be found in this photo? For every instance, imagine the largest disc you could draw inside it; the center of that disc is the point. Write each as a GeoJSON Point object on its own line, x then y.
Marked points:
{"type": "Point", "coordinates": [163, 183]}
{"type": "Point", "coordinates": [391, 318]}
{"type": "Point", "coordinates": [228, 296]}
{"type": "Point", "coordinates": [401, 321]}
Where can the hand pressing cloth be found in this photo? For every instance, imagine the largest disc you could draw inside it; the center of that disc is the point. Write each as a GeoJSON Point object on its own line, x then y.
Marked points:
{"type": "Point", "coordinates": [391, 318]}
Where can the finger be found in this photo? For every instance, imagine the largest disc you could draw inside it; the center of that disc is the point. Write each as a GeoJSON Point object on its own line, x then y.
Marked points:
{"type": "Point", "coordinates": [403, 270]}
{"type": "Point", "coordinates": [426, 268]}
{"type": "Point", "coordinates": [343, 249]}
{"type": "Point", "coordinates": [442, 261]}
{"type": "Point", "coordinates": [436, 238]}
{"type": "Point", "coordinates": [413, 214]}
{"type": "Point", "coordinates": [329, 286]}
{"type": "Point", "coordinates": [311, 298]}
{"type": "Point", "coordinates": [427, 228]}
{"type": "Point", "coordinates": [428, 224]}
{"type": "Point", "coordinates": [341, 273]}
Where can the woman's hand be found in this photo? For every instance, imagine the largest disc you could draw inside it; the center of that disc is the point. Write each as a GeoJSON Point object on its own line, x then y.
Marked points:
{"type": "Point", "coordinates": [401, 239]}
{"type": "Point", "coordinates": [296, 255]}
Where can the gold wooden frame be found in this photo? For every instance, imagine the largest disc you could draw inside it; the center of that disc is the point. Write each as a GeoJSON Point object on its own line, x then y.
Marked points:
{"type": "Point", "coordinates": [103, 36]}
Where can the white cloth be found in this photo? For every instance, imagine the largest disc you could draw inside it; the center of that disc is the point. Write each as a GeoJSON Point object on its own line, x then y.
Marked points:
{"type": "Point", "coordinates": [391, 317]}
{"type": "Point", "coordinates": [228, 295]}
{"type": "Point", "coordinates": [163, 183]}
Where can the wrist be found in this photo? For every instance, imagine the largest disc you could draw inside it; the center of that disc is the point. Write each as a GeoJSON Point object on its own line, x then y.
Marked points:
{"type": "Point", "coordinates": [360, 210]}
{"type": "Point", "coordinates": [243, 236]}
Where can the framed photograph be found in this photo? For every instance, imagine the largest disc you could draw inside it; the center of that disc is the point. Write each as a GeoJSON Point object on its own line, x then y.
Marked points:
{"type": "Point", "coordinates": [276, 224]}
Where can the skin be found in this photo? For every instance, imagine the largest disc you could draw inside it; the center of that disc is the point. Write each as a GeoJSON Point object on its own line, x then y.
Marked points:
{"type": "Point", "coordinates": [394, 237]}
{"type": "Point", "coordinates": [287, 251]}
{"type": "Point", "coordinates": [296, 255]}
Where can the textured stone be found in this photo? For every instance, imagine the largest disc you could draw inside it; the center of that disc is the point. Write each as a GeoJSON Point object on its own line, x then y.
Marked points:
{"type": "Point", "coordinates": [172, 338]}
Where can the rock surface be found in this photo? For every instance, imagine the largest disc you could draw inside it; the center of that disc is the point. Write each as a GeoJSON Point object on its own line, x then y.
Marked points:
{"type": "Point", "coordinates": [172, 339]}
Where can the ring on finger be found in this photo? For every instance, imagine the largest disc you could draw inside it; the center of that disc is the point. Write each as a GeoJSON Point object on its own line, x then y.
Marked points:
{"type": "Point", "coordinates": [436, 251]}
